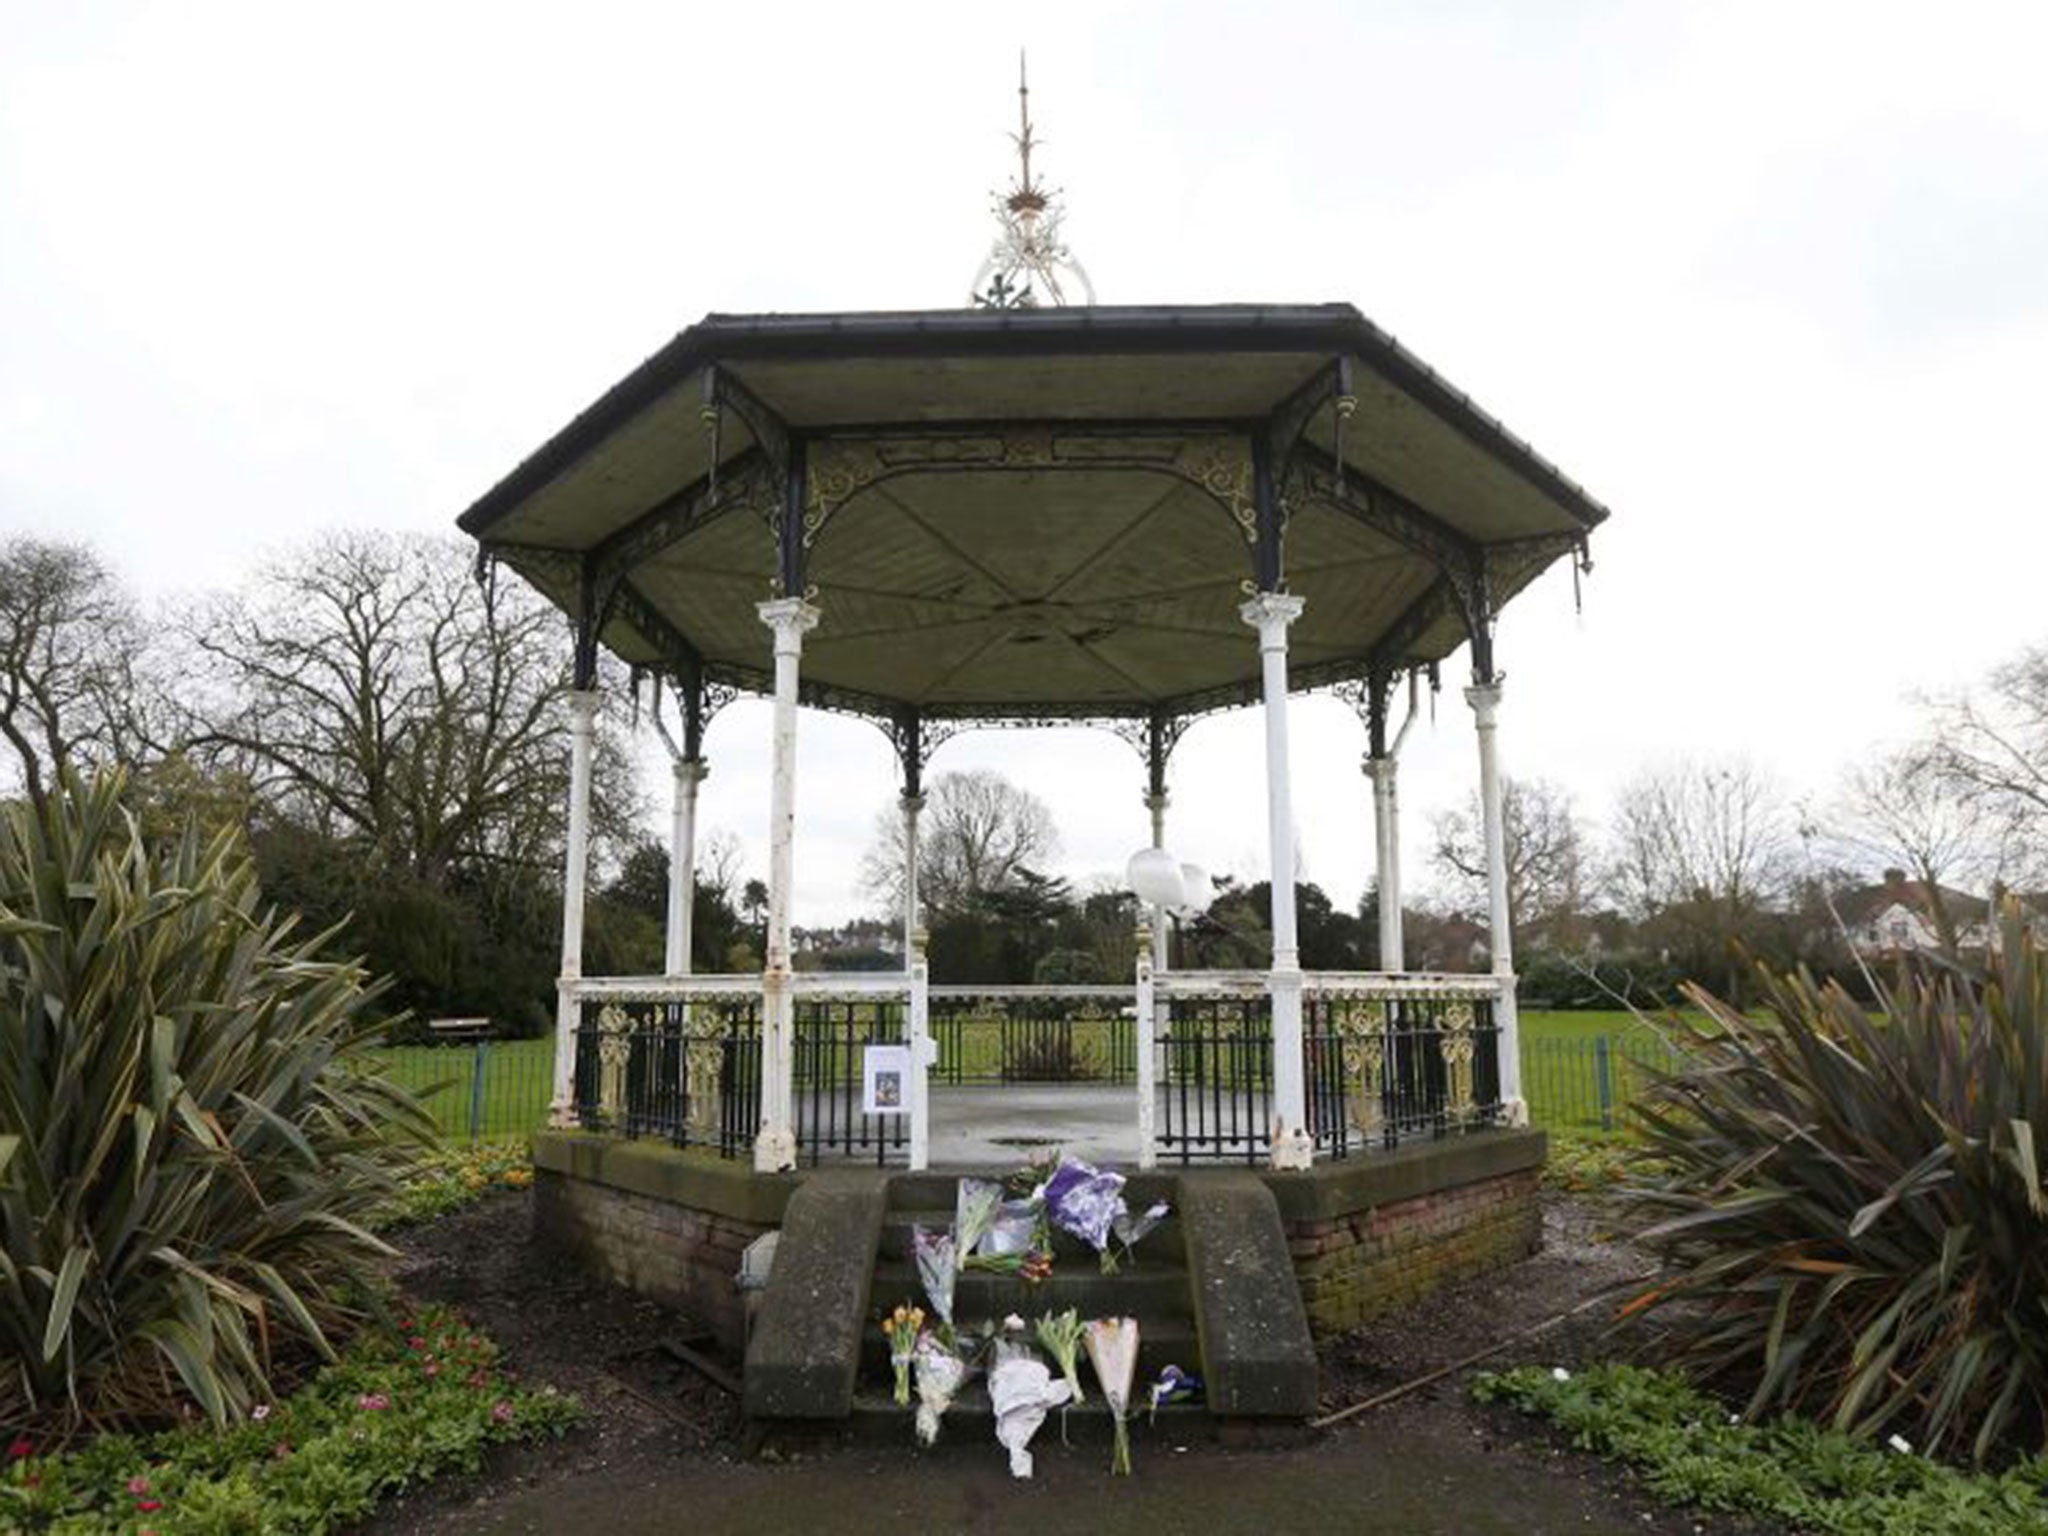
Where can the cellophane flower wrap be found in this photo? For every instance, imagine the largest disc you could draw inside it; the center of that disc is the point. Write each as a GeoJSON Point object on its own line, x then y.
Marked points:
{"type": "Point", "coordinates": [974, 1213]}
{"type": "Point", "coordinates": [1174, 1386]}
{"type": "Point", "coordinates": [1085, 1200]}
{"type": "Point", "coordinates": [1060, 1335]}
{"type": "Point", "coordinates": [1129, 1229]}
{"type": "Point", "coordinates": [1112, 1345]}
{"type": "Point", "coordinates": [1021, 1391]}
{"type": "Point", "coordinates": [938, 1268]}
{"type": "Point", "coordinates": [940, 1375]}
{"type": "Point", "coordinates": [901, 1328]}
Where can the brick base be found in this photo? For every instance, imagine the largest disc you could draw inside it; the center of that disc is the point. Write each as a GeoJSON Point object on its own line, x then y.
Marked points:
{"type": "Point", "coordinates": [670, 1253]}
{"type": "Point", "coordinates": [1353, 1267]}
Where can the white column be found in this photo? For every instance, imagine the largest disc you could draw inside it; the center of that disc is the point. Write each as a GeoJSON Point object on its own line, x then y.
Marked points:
{"type": "Point", "coordinates": [1144, 1020]}
{"type": "Point", "coordinates": [575, 871]}
{"type": "Point", "coordinates": [1270, 613]}
{"type": "Point", "coordinates": [1386, 823]}
{"type": "Point", "coordinates": [923, 1053]}
{"type": "Point", "coordinates": [682, 862]}
{"type": "Point", "coordinates": [775, 1148]}
{"type": "Point", "coordinates": [1485, 701]}
{"type": "Point", "coordinates": [1156, 805]}
{"type": "Point", "coordinates": [912, 804]}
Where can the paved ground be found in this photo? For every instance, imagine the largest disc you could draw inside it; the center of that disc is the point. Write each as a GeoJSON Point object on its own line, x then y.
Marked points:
{"type": "Point", "coordinates": [1362, 1481]}
{"type": "Point", "coordinates": [993, 1127]}
{"type": "Point", "coordinates": [660, 1447]}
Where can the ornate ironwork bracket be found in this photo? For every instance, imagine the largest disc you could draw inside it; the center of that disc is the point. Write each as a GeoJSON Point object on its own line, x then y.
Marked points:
{"type": "Point", "coordinates": [1153, 738]}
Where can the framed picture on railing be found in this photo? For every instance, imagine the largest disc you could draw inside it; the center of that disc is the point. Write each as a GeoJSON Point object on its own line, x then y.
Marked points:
{"type": "Point", "coordinates": [885, 1079]}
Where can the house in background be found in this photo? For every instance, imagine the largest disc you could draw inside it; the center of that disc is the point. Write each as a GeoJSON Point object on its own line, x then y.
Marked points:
{"type": "Point", "coordinates": [1897, 917]}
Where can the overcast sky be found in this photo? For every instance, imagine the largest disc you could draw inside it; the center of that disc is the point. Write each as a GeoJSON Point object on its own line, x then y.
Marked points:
{"type": "Point", "coordinates": [1770, 280]}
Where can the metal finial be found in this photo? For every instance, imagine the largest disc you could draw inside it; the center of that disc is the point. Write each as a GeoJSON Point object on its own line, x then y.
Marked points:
{"type": "Point", "coordinates": [1029, 264]}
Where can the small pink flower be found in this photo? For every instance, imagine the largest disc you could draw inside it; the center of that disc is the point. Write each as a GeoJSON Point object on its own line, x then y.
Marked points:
{"type": "Point", "coordinates": [138, 1485]}
{"type": "Point", "coordinates": [502, 1412]}
{"type": "Point", "coordinates": [21, 1450]}
{"type": "Point", "coordinates": [149, 1506]}
{"type": "Point", "coordinates": [430, 1369]}
{"type": "Point", "coordinates": [417, 1341]}
{"type": "Point", "coordinates": [373, 1402]}
{"type": "Point", "coordinates": [260, 1412]}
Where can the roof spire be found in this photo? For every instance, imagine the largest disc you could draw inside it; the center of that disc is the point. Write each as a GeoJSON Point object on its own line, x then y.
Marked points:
{"type": "Point", "coordinates": [1024, 268]}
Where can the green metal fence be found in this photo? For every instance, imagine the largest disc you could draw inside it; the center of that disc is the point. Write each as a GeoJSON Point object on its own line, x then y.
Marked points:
{"type": "Point", "coordinates": [482, 1090]}
{"type": "Point", "coordinates": [1587, 1084]}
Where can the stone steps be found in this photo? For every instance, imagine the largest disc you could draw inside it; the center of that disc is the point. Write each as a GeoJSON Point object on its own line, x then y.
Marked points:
{"type": "Point", "coordinates": [970, 1421]}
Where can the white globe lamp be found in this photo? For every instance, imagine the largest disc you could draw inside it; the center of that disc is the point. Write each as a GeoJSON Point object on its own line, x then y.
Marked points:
{"type": "Point", "coordinates": [1154, 876]}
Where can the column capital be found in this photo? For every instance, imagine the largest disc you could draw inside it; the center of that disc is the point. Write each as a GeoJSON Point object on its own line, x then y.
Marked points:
{"type": "Point", "coordinates": [1158, 802]}
{"type": "Point", "coordinates": [690, 770]}
{"type": "Point", "coordinates": [1270, 613]}
{"type": "Point", "coordinates": [1381, 770]}
{"type": "Point", "coordinates": [791, 618]}
{"type": "Point", "coordinates": [911, 804]}
{"type": "Point", "coordinates": [1485, 700]}
{"type": "Point", "coordinates": [583, 704]}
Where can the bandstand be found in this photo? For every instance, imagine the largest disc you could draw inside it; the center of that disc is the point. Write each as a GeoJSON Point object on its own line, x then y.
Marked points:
{"type": "Point", "coordinates": [946, 520]}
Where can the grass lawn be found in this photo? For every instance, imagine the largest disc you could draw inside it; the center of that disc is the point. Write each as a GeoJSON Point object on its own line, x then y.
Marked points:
{"type": "Point", "coordinates": [1562, 1071]}
{"type": "Point", "coordinates": [518, 1079]}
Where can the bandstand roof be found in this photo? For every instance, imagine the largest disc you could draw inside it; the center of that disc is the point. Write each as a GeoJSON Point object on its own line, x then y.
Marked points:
{"type": "Point", "coordinates": [1033, 512]}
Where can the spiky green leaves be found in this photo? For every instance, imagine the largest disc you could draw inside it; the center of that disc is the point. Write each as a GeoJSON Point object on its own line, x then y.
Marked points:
{"type": "Point", "coordinates": [190, 1133]}
{"type": "Point", "coordinates": [1854, 1210]}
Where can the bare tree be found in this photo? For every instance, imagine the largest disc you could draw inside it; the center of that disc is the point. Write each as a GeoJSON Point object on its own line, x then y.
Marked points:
{"type": "Point", "coordinates": [371, 689]}
{"type": "Point", "coordinates": [1545, 848]}
{"type": "Point", "coordinates": [1902, 811]}
{"type": "Point", "coordinates": [1990, 747]}
{"type": "Point", "coordinates": [73, 684]}
{"type": "Point", "coordinates": [1703, 848]}
{"type": "Point", "coordinates": [978, 834]}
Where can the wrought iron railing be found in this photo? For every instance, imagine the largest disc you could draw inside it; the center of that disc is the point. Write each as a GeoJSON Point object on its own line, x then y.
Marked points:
{"type": "Point", "coordinates": [1386, 1059]}
{"type": "Point", "coordinates": [1392, 1059]}
{"type": "Point", "coordinates": [1050, 1034]}
{"type": "Point", "coordinates": [680, 1059]}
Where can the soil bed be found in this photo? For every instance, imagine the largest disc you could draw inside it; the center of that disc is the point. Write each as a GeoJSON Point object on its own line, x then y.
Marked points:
{"type": "Point", "coordinates": [660, 1448]}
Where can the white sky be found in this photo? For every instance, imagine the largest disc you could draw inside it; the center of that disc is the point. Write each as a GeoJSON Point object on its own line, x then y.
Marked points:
{"type": "Point", "coordinates": [1771, 280]}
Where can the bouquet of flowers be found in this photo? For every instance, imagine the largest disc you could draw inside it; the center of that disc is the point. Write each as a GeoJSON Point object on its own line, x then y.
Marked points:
{"type": "Point", "coordinates": [1060, 1333]}
{"type": "Point", "coordinates": [940, 1374]}
{"type": "Point", "coordinates": [901, 1329]}
{"type": "Point", "coordinates": [938, 1268]}
{"type": "Point", "coordinates": [1129, 1229]}
{"type": "Point", "coordinates": [1112, 1344]}
{"type": "Point", "coordinates": [1174, 1386]}
{"type": "Point", "coordinates": [1020, 1390]}
{"type": "Point", "coordinates": [1085, 1201]}
{"type": "Point", "coordinates": [974, 1215]}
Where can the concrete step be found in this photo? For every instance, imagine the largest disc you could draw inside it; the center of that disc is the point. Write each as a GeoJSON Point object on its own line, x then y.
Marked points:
{"type": "Point", "coordinates": [970, 1422]}
{"type": "Point", "coordinates": [1163, 1242]}
{"type": "Point", "coordinates": [1161, 1342]}
{"type": "Point", "coordinates": [939, 1191]}
{"type": "Point", "coordinates": [1146, 1288]}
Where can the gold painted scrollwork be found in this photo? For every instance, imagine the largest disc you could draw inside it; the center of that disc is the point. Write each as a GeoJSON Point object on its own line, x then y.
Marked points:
{"type": "Point", "coordinates": [1457, 1046]}
{"type": "Point", "coordinates": [614, 1049]}
{"type": "Point", "coordinates": [1224, 470]}
{"type": "Point", "coordinates": [704, 1066]}
{"type": "Point", "coordinates": [1362, 1031]}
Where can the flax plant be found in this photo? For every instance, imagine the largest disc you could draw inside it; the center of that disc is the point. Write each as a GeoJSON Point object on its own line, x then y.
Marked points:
{"type": "Point", "coordinates": [190, 1135]}
{"type": "Point", "coordinates": [1853, 1209]}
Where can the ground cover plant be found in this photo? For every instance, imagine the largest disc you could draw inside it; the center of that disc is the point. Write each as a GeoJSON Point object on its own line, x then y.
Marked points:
{"type": "Point", "coordinates": [1688, 1448]}
{"type": "Point", "coordinates": [1853, 1214]}
{"type": "Point", "coordinates": [407, 1401]}
{"type": "Point", "coordinates": [191, 1150]}
{"type": "Point", "coordinates": [448, 1180]}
